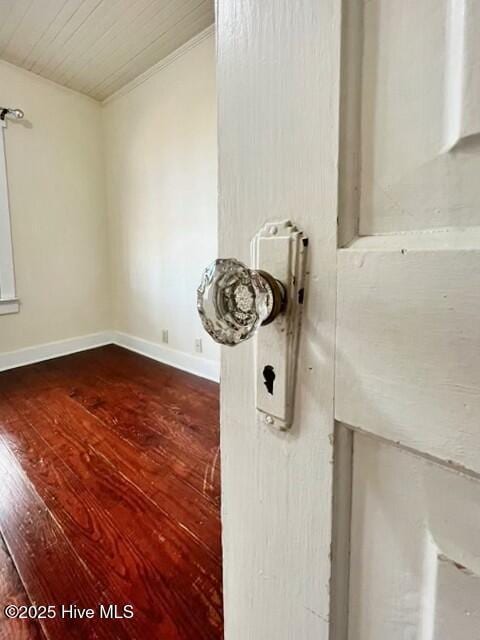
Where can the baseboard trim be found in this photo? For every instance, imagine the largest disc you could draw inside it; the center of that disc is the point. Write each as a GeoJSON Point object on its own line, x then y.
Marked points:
{"type": "Point", "coordinates": [50, 350]}
{"type": "Point", "coordinates": [179, 359]}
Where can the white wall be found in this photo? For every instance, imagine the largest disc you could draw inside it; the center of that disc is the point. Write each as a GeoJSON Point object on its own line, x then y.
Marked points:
{"type": "Point", "coordinates": [57, 195]}
{"type": "Point", "coordinates": [161, 164]}
{"type": "Point", "coordinates": [114, 210]}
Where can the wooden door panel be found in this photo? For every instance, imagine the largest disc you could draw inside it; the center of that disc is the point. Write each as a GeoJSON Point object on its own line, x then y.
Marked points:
{"type": "Point", "coordinates": [420, 122]}
{"type": "Point", "coordinates": [408, 309]}
{"type": "Point", "coordinates": [415, 532]}
{"type": "Point", "coordinates": [408, 346]}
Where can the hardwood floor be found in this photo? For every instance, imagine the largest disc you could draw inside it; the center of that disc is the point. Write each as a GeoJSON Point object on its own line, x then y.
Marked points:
{"type": "Point", "coordinates": [12, 591]}
{"type": "Point", "coordinates": [110, 494]}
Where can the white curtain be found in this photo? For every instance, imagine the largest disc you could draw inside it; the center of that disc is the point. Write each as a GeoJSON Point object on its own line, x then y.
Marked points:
{"type": "Point", "coordinates": [7, 280]}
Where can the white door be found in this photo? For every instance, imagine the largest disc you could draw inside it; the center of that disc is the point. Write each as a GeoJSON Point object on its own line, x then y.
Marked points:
{"type": "Point", "coordinates": [369, 113]}
{"type": "Point", "coordinates": [408, 318]}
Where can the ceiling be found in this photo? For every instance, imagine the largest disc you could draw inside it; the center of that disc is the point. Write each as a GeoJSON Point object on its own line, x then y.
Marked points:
{"type": "Point", "coordinates": [97, 46]}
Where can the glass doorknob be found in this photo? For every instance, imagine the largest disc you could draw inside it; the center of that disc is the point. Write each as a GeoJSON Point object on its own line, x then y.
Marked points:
{"type": "Point", "coordinates": [234, 301]}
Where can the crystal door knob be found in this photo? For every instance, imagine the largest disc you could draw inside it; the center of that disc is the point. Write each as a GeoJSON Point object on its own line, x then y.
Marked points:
{"type": "Point", "coordinates": [234, 301]}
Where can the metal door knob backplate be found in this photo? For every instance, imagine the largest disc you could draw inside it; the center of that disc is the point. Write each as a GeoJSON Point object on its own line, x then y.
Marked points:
{"type": "Point", "coordinates": [234, 301]}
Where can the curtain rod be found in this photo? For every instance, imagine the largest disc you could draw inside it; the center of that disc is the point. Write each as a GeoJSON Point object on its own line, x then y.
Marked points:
{"type": "Point", "coordinates": [14, 113]}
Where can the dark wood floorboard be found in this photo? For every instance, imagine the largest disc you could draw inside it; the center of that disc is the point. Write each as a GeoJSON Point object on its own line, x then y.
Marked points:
{"type": "Point", "coordinates": [110, 491]}
{"type": "Point", "coordinates": [12, 591]}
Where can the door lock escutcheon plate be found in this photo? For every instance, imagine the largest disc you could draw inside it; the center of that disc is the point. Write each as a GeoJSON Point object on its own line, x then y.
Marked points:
{"type": "Point", "coordinates": [236, 302]}
{"type": "Point", "coordinates": [280, 249]}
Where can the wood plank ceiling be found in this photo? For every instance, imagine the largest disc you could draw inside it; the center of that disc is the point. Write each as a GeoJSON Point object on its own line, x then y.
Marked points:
{"type": "Point", "coordinates": [97, 46]}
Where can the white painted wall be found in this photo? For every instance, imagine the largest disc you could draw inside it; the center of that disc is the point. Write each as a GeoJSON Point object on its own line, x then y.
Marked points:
{"type": "Point", "coordinates": [57, 195]}
{"type": "Point", "coordinates": [114, 212]}
{"type": "Point", "coordinates": [161, 163]}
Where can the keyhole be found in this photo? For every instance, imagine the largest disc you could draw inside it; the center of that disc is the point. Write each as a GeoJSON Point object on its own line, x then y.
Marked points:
{"type": "Point", "coordinates": [269, 378]}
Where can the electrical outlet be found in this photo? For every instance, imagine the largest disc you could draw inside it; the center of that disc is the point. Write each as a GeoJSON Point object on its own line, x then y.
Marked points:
{"type": "Point", "coordinates": [198, 345]}
{"type": "Point", "coordinates": [165, 335]}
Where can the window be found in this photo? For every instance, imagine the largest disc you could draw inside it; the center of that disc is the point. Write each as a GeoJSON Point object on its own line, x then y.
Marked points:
{"type": "Point", "coordinates": [8, 299]}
